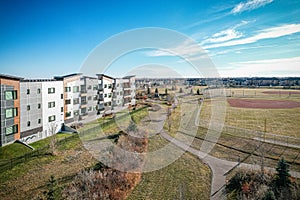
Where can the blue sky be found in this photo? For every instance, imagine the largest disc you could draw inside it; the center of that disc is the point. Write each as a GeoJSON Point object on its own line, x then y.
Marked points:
{"type": "Point", "coordinates": [40, 39]}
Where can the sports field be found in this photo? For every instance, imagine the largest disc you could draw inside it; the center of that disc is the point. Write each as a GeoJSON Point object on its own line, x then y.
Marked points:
{"type": "Point", "coordinates": [260, 110]}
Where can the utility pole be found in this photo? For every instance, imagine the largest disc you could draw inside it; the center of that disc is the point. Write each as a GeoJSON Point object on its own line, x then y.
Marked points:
{"type": "Point", "coordinates": [262, 151]}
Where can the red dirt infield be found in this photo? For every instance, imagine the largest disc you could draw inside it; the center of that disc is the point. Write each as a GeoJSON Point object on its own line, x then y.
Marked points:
{"type": "Point", "coordinates": [281, 92]}
{"type": "Point", "coordinates": [264, 104]}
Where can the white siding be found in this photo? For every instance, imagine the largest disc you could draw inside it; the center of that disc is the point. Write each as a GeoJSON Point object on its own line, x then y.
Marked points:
{"type": "Point", "coordinates": [55, 111]}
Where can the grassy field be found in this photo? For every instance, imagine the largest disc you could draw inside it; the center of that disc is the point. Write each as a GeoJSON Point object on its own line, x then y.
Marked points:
{"type": "Point", "coordinates": [278, 121]}
{"type": "Point", "coordinates": [187, 176]}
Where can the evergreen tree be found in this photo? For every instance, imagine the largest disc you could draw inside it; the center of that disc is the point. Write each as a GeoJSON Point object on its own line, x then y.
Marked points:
{"type": "Point", "coordinates": [166, 91]}
{"type": "Point", "coordinates": [269, 195]}
{"type": "Point", "coordinates": [148, 90]}
{"type": "Point", "coordinates": [156, 91]}
{"type": "Point", "coordinates": [282, 177]}
{"type": "Point", "coordinates": [53, 189]}
{"type": "Point", "coordinates": [198, 91]}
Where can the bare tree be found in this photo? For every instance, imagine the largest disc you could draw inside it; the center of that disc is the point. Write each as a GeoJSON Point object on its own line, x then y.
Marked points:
{"type": "Point", "coordinates": [53, 142]}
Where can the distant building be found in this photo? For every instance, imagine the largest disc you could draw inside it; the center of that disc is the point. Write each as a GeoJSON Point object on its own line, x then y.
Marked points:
{"type": "Point", "coordinates": [10, 109]}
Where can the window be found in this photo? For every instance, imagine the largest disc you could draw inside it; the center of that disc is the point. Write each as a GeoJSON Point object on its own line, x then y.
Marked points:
{"type": "Point", "coordinates": [105, 95]}
{"type": "Point", "coordinates": [38, 91]}
{"type": "Point", "coordinates": [62, 109]}
{"type": "Point", "coordinates": [83, 110]}
{"type": "Point", "coordinates": [109, 86]}
{"type": "Point", "coordinates": [94, 108]}
{"type": "Point", "coordinates": [28, 107]}
{"type": "Point", "coordinates": [90, 109]}
{"type": "Point", "coordinates": [95, 98]}
{"type": "Point", "coordinates": [28, 123]}
{"type": "Point", "coordinates": [95, 87]}
{"type": "Point", "coordinates": [28, 91]}
{"type": "Point", "coordinates": [75, 89]}
{"type": "Point", "coordinates": [68, 101]}
{"type": "Point", "coordinates": [62, 96]}
{"type": "Point", "coordinates": [39, 106]}
{"type": "Point", "coordinates": [109, 95]}
{"type": "Point", "coordinates": [11, 112]}
{"type": "Point", "coordinates": [76, 112]}
{"type": "Point", "coordinates": [39, 121]}
{"type": "Point", "coordinates": [10, 95]}
{"type": "Point", "coordinates": [83, 100]}
{"type": "Point", "coordinates": [89, 98]}
{"type": "Point", "coordinates": [68, 114]}
{"type": "Point", "coordinates": [11, 129]}
{"type": "Point", "coordinates": [83, 88]}
{"type": "Point", "coordinates": [105, 85]}
{"type": "Point", "coordinates": [76, 101]}
{"type": "Point", "coordinates": [67, 89]}
{"type": "Point", "coordinates": [51, 90]}
{"type": "Point", "coordinates": [89, 87]}
{"type": "Point", "coordinates": [51, 118]}
{"type": "Point", "coordinates": [51, 104]}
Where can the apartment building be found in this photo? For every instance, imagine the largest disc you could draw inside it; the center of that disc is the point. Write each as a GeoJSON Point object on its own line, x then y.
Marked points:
{"type": "Point", "coordinates": [10, 109]}
{"type": "Point", "coordinates": [118, 100]}
{"type": "Point", "coordinates": [124, 92]}
{"type": "Point", "coordinates": [80, 97]}
{"type": "Point", "coordinates": [71, 96]}
{"type": "Point", "coordinates": [33, 109]}
{"type": "Point", "coordinates": [129, 90]}
{"type": "Point", "coordinates": [105, 93]}
{"type": "Point", "coordinates": [88, 97]}
{"type": "Point", "coordinates": [41, 108]}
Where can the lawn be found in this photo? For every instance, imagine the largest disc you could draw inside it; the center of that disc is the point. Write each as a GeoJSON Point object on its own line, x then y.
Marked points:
{"type": "Point", "coordinates": [187, 177]}
{"type": "Point", "coordinates": [16, 149]}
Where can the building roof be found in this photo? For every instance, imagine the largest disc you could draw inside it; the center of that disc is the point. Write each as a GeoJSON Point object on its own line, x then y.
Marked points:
{"type": "Point", "coordinates": [11, 77]}
{"type": "Point", "coordinates": [89, 77]}
{"type": "Point", "coordinates": [130, 76]}
{"type": "Point", "coordinates": [67, 76]}
{"type": "Point", "coordinates": [38, 80]}
{"type": "Point", "coordinates": [103, 75]}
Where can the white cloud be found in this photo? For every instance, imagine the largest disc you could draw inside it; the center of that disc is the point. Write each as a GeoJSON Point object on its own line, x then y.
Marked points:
{"type": "Point", "coordinates": [223, 36]}
{"type": "Point", "coordinates": [249, 5]}
{"type": "Point", "coordinates": [268, 33]}
{"type": "Point", "coordinates": [269, 67]}
{"type": "Point", "coordinates": [187, 49]}
{"type": "Point", "coordinates": [226, 35]}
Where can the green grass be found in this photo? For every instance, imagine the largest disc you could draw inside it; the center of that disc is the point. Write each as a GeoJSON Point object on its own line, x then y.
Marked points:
{"type": "Point", "coordinates": [13, 150]}
{"type": "Point", "coordinates": [44, 142]}
{"type": "Point", "coordinates": [187, 176]}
